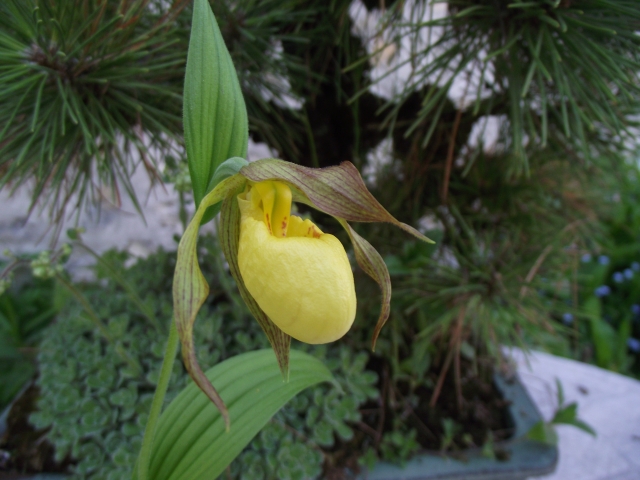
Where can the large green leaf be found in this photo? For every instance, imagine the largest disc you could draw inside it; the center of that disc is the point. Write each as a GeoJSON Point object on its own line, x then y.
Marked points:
{"type": "Point", "coordinates": [215, 116]}
{"type": "Point", "coordinates": [191, 440]}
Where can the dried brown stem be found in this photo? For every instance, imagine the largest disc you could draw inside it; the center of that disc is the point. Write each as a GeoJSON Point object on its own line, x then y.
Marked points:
{"type": "Point", "coordinates": [454, 345]}
{"type": "Point", "coordinates": [369, 431]}
{"type": "Point", "coordinates": [534, 269]}
{"type": "Point", "coordinates": [419, 423]}
{"type": "Point", "coordinates": [451, 150]}
{"type": "Point", "coordinates": [456, 377]}
{"type": "Point", "coordinates": [443, 373]}
{"type": "Point", "coordinates": [385, 391]}
{"type": "Point", "coordinates": [541, 258]}
{"type": "Point", "coordinates": [452, 145]}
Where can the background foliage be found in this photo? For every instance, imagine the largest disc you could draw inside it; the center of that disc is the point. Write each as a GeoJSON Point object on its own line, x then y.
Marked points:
{"type": "Point", "coordinates": [537, 228]}
{"type": "Point", "coordinates": [26, 308]}
{"type": "Point", "coordinates": [85, 84]}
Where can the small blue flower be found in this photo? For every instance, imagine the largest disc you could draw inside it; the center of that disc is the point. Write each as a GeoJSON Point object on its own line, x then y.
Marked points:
{"type": "Point", "coordinates": [567, 318]}
{"type": "Point", "coordinates": [603, 260]}
{"type": "Point", "coordinates": [628, 273]}
{"type": "Point", "coordinates": [634, 345]}
{"type": "Point", "coordinates": [635, 266]}
{"type": "Point", "coordinates": [635, 309]}
{"type": "Point", "coordinates": [618, 277]}
{"type": "Point", "coordinates": [586, 258]}
{"type": "Point", "coordinates": [602, 291]}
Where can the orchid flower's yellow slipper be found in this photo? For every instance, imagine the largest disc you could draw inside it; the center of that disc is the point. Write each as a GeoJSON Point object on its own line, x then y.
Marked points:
{"type": "Point", "coordinates": [295, 279]}
{"type": "Point", "coordinates": [299, 276]}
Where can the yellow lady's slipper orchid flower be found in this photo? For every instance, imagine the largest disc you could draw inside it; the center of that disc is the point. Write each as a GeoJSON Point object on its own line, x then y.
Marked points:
{"type": "Point", "coordinates": [295, 279]}
{"type": "Point", "coordinates": [299, 276]}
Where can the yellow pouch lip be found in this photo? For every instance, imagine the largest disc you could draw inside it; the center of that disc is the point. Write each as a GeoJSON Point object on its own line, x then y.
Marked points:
{"type": "Point", "coordinates": [303, 283]}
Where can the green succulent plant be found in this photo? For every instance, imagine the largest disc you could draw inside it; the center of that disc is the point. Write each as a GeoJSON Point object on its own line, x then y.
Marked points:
{"type": "Point", "coordinates": [95, 402]}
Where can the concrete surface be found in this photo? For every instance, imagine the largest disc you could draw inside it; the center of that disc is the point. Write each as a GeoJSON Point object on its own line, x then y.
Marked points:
{"type": "Point", "coordinates": [607, 401]}
{"type": "Point", "coordinates": [106, 226]}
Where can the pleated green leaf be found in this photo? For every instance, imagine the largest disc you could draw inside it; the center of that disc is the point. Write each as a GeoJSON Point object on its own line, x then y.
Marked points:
{"type": "Point", "coordinates": [215, 115]}
{"type": "Point", "coordinates": [191, 441]}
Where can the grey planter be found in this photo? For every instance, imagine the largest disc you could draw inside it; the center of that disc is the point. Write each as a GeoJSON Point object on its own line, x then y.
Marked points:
{"type": "Point", "coordinates": [527, 458]}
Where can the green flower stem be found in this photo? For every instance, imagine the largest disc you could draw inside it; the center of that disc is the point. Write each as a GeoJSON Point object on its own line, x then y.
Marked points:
{"type": "Point", "coordinates": [156, 406]}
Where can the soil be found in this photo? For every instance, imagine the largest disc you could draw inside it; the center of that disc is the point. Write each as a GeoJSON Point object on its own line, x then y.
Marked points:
{"type": "Point", "coordinates": [22, 448]}
{"type": "Point", "coordinates": [479, 413]}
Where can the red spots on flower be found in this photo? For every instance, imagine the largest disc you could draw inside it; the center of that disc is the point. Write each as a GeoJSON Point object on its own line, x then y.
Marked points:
{"type": "Point", "coordinates": [312, 231]}
{"type": "Point", "coordinates": [268, 222]}
{"type": "Point", "coordinates": [283, 226]}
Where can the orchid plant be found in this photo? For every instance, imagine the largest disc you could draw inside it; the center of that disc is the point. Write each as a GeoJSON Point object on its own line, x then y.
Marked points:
{"type": "Point", "coordinates": [296, 280]}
